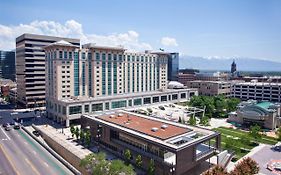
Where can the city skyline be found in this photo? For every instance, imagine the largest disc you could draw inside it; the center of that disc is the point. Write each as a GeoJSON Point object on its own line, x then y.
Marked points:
{"type": "Point", "coordinates": [230, 29]}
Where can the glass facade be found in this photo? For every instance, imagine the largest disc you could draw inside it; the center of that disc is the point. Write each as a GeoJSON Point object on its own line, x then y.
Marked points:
{"type": "Point", "coordinates": [76, 74]}
{"type": "Point", "coordinates": [173, 66]}
{"type": "Point", "coordinates": [115, 74]}
{"type": "Point", "coordinates": [83, 78]}
{"type": "Point", "coordinates": [97, 107]}
{"type": "Point", "coordinates": [90, 73]}
{"type": "Point", "coordinates": [137, 101]}
{"type": "Point", "coordinates": [109, 74]}
{"type": "Point", "coordinates": [118, 104]}
{"type": "Point", "coordinates": [7, 65]}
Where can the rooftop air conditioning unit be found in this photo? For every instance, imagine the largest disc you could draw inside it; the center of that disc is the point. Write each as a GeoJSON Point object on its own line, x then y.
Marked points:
{"type": "Point", "coordinates": [154, 129]}
{"type": "Point", "coordinates": [164, 126]}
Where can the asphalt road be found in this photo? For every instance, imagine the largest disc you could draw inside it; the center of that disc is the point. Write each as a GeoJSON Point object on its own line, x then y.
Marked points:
{"type": "Point", "coordinates": [21, 155]}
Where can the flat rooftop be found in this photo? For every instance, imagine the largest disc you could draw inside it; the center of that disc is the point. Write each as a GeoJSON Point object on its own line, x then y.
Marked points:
{"type": "Point", "coordinates": [146, 126]}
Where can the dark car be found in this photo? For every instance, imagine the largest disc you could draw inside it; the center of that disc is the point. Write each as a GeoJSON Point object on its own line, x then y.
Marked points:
{"type": "Point", "coordinates": [17, 126]}
{"type": "Point", "coordinates": [36, 133]}
{"type": "Point", "coordinates": [5, 125]}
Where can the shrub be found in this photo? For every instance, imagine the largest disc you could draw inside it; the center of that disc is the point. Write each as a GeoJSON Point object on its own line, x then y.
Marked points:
{"type": "Point", "coordinates": [216, 170]}
{"type": "Point", "coordinates": [246, 166]}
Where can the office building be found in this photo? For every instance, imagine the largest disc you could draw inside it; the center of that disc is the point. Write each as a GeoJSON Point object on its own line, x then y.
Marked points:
{"type": "Point", "coordinates": [265, 114]}
{"type": "Point", "coordinates": [233, 67]}
{"type": "Point", "coordinates": [98, 78]}
{"type": "Point", "coordinates": [257, 91]}
{"type": "Point", "coordinates": [211, 88]}
{"type": "Point", "coordinates": [30, 68]}
{"type": "Point", "coordinates": [173, 66]}
{"type": "Point", "coordinates": [7, 65]}
{"type": "Point", "coordinates": [175, 148]}
{"type": "Point", "coordinates": [185, 76]}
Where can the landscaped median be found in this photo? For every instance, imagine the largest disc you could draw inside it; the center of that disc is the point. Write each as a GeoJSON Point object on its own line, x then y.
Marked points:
{"type": "Point", "coordinates": [241, 141]}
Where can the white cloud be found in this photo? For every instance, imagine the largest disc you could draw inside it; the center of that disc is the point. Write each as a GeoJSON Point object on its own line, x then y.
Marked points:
{"type": "Point", "coordinates": [71, 28]}
{"type": "Point", "coordinates": [168, 41]}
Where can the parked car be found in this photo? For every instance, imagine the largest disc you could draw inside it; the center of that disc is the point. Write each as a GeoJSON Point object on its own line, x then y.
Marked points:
{"type": "Point", "coordinates": [8, 127]}
{"type": "Point", "coordinates": [5, 125]}
{"type": "Point", "coordinates": [17, 126]}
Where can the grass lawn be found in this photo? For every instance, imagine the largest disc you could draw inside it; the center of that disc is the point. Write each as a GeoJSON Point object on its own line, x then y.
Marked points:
{"type": "Point", "coordinates": [241, 148]}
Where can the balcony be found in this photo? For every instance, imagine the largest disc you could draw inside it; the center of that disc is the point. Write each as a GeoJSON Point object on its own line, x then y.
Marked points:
{"type": "Point", "coordinates": [204, 150]}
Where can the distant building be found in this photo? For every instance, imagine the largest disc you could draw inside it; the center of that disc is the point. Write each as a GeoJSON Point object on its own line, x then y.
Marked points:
{"type": "Point", "coordinates": [265, 114]}
{"type": "Point", "coordinates": [185, 76]}
{"type": "Point", "coordinates": [211, 88]}
{"type": "Point", "coordinates": [233, 67]}
{"type": "Point", "coordinates": [175, 148]}
{"type": "Point", "coordinates": [30, 68]}
{"type": "Point", "coordinates": [173, 66]}
{"type": "Point", "coordinates": [8, 65]}
{"type": "Point", "coordinates": [257, 91]}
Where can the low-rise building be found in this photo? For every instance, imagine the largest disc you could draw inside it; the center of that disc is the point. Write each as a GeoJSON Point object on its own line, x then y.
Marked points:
{"type": "Point", "coordinates": [211, 88]}
{"type": "Point", "coordinates": [257, 91]}
{"type": "Point", "coordinates": [265, 114]}
{"type": "Point", "coordinates": [175, 148]}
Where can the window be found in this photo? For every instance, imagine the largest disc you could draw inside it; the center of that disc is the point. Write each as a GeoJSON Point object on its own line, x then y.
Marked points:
{"type": "Point", "coordinates": [86, 108]}
{"type": "Point", "coordinates": [75, 110]}
{"type": "Point", "coordinates": [65, 54]}
{"type": "Point", "coordinates": [137, 101]}
{"type": "Point", "coordinates": [118, 104]}
{"type": "Point", "coordinates": [70, 55]}
{"type": "Point", "coordinates": [155, 99]}
{"type": "Point", "coordinates": [97, 107]}
{"type": "Point", "coordinates": [147, 100]}
{"type": "Point", "coordinates": [60, 54]}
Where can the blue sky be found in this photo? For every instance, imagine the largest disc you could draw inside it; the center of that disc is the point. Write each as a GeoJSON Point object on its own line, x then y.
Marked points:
{"type": "Point", "coordinates": [223, 28]}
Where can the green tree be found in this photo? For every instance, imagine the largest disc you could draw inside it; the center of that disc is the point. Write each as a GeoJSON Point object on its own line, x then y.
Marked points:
{"type": "Point", "coordinates": [192, 121]}
{"type": "Point", "coordinates": [278, 133]}
{"type": "Point", "coordinates": [204, 121]}
{"type": "Point", "coordinates": [82, 135]}
{"type": "Point", "coordinates": [127, 155]}
{"type": "Point", "coordinates": [77, 132]}
{"type": "Point", "coordinates": [118, 167]}
{"type": "Point", "coordinates": [151, 167]}
{"type": "Point", "coordinates": [88, 138]}
{"type": "Point", "coordinates": [245, 139]}
{"type": "Point", "coordinates": [139, 161]}
{"type": "Point", "coordinates": [72, 130]}
{"type": "Point", "coordinates": [247, 166]}
{"type": "Point", "coordinates": [232, 104]}
{"type": "Point", "coordinates": [255, 132]}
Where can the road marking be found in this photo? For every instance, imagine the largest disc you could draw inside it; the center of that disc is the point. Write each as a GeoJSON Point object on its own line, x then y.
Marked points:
{"type": "Point", "coordinates": [32, 167]}
{"type": "Point", "coordinates": [9, 159]}
{"type": "Point", "coordinates": [46, 164]}
{"type": "Point", "coordinates": [5, 134]}
{"type": "Point", "coordinates": [4, 139]}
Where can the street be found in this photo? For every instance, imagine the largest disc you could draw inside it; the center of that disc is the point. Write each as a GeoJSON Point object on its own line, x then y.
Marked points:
{"type": "Point", "coordinates": [21, 155]}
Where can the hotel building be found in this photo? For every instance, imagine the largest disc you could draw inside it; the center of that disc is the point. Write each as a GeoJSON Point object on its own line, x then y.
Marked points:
{"type": "Point", "coordinates": [175, 148]}
{"type": "Point", "coordinates": [95, 78]}
{"type": "Point", "coordinates": [30, 68]}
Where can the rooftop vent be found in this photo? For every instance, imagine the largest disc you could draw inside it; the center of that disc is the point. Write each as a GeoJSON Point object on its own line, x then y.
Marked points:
{"type": "Point", "coordinates": [164, 126]}
{"type": "Point", "coordinates": [112, 116]}
{"type": "Point", "coordinates": [120, 115]}
{"type": "Point", "coordinates": [154, 129]}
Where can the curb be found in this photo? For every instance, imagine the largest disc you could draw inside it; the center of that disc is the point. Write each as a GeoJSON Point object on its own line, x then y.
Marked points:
{"type": "Point", "coordinates": [56, 155]}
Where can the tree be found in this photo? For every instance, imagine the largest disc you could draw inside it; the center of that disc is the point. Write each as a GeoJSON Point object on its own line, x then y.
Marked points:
{"type": "Point", "coordinates": [232, 104]}
{"type": "Point", "coordinates": [216, 170]}
{"type": "Point", "coordinates": [151, 167]}
{"type": "Point", "coordinates": [88, 138]}
{"type": "Point", "coordinates": [139, 161]}
{"type": "Point", "coordinates": [127, 155]}
{"type": "Point", "coordinates": [118, 167]}
{"type": "Point", "coordinates": [204, 120]}
{"type": "Point", "coordinates": [72, 130]}
{"type": "Point", "coordinates": [246, 166]}
{"type": "Point", "coordinates": [255, 132]}
{"type": "Point", "coordinates": [245, 140]}
{"type": "Point", "coordinates": [192, 121]}
{"type": "Point", "coordinates": [82, 135]}
{"type": "Point", "coordinates": [77, 133]}
{"type": "Point", "coordinates": [278, 133]}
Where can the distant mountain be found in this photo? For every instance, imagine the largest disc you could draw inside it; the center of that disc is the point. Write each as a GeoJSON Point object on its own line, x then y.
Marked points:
{"type": "Point", "coordinates": [215, 63]}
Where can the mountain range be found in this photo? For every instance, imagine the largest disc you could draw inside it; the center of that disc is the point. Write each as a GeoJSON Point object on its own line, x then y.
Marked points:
{"type": "Point", "coordinates": [224, 64]}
